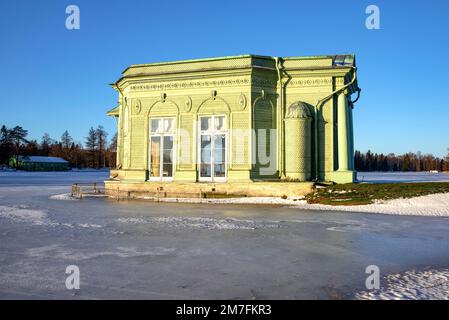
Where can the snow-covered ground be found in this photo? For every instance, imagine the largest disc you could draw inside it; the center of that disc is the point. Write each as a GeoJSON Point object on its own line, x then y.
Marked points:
{"type": "Point", "coordinates": [412, 285]}
{"type": "Point", "coordinates": [429, 205]}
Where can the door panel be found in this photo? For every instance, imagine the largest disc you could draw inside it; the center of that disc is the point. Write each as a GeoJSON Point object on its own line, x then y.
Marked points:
{"type": "Point", "coordinates": [206, 156]}
{"type": "Point", "coordinates": [155, 157]}
{"type": "Point", "coordinates": [167, 159]}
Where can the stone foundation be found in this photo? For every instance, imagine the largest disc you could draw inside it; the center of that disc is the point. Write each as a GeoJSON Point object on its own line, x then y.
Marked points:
{"type": "Point", "coordinates": [135, 189]}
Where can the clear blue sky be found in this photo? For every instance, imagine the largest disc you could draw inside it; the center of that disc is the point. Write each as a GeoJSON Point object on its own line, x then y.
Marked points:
{"type": "Point", "coordinates": [55, 79]}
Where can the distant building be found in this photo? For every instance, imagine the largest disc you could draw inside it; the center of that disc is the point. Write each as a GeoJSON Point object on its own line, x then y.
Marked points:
{"type": "Point", "coordinates": [235, 121]}
{"type": "Point", "coordinates": [37, 163]}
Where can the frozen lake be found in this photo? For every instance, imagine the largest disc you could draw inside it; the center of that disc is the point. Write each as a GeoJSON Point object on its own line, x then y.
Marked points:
{"type": "Point", "coordinates": [145, 250]}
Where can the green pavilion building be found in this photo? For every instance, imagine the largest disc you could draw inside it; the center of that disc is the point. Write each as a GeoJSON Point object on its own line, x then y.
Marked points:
{"type": "Point", "coordinates": [243, 125]}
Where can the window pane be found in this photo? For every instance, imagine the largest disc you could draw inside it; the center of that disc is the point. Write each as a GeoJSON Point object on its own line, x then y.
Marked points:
{"type": "Point", "coordinates": [205, 123]}
{"type": "Point", "coordinates": [205, 148]}
{"type": "Point", "coordinates": [167, 170]}
{"type": "Point", "coordinates": [168, 125]}
{"type": "Point", "coordinates": [167, 157]}
{"type": "Point", "coordinates": [155, 124]}
{"type": "Point", "coordinates": [219, 156]}
{"type": "Point", "coordinates": [205, 170]}
{"type": "Point", "coordinates": [220, 123]}
{"type": "Point", "coordinates": [219, 141]}
{"type": "Point", "coordinates": [155, 157]}
{"type": "Point", "coordinates": [219, 170]}
{"type": "Point", "coordinates": [168, 142]}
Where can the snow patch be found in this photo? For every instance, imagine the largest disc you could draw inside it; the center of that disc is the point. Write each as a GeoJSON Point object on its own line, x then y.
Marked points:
{"type": "Point", "coordinates": [429, 205]}
{"type": "Point", "coordinates": [60, 252]}
{"type": "Point", "coordinates": [243, 200]}
{"type": "Point", "coordinates": [201, 223]}
{"type": "Point", "coordinates": [38, 217]}
{"type": "Point", "coordinates": [24, 214]}
{"type": "Point", "coordinates": [412, 285]}
{"type": "Point", "coordinates": [63, 196]}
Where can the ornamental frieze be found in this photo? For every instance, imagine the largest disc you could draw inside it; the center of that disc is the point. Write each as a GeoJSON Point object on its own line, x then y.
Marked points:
{"type": "Point", "coordinates": [309, 82]}
{"type": "Point", "coordinates": [189, 84]}
{"type": "Point", "coordinates": [230, 82]}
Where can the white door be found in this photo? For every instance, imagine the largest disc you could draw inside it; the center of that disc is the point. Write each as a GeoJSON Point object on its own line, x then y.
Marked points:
{"type": "Point", "coordinates": [212, 148]}
{"type": "Point", "coordinates": [161, 149]}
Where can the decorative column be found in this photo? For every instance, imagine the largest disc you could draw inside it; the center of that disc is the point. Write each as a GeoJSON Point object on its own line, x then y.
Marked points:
{"type": "Point", "coordinates": [119, 154]}
{"type": "Point", "coordinates": [298, 142]}
{"type": "Point", "coordinates": [351, 138]}
{"type": "Point", "coordinates": [342, 114]}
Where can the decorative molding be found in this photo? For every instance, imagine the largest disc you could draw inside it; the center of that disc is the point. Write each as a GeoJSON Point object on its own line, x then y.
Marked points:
{"type": "Point", "coordinates": [160, 86]}
{"type": "Point", "coordinates": [312, 82]}
{"type": "Point", "coordinates": [162, 100]}
{"type": "Point", "coordinates": [213, 99]}
{"type": "Point", "coordinates": [258, 82]}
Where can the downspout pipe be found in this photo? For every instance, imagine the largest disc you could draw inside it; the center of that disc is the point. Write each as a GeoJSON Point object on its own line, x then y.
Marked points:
{"type": "Point", "coordinates": [115, 85]}
{"type": "Point", "coordinates": [280, 118]}
{"type": "Point", "coordinates": [317, 107]}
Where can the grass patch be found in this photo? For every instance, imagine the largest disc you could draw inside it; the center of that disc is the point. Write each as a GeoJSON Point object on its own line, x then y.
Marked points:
{"type": "Point", "coordinates": [366, 193]}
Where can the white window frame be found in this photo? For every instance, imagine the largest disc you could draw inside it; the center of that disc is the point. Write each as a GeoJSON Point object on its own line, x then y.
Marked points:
{"type": "Point", "coordinates": [162, 134]}
{"type": "Point", "coordinates": [212, 132]}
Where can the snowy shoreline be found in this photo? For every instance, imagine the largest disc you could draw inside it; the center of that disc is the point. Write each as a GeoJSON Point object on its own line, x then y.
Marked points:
{"type": "Point", "coordinates": [429, 205]}
{"type": "Point", "coordinates": [436, 205]}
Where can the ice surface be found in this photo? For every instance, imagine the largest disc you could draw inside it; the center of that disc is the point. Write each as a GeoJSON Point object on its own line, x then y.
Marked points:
{"type": "Point", "coordinates": [389, 177]}
{"type": "Point", "coordinates": [146, 250]}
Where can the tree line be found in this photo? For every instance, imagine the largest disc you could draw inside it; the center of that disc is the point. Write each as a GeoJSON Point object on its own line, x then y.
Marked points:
{"type": "Point", "coordinates": [406, 162]}
{"type": "Point", "coordinates": [97, 151]}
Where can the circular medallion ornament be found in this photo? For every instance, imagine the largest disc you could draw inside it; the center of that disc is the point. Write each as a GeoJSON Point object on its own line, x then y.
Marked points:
{"type": "Point", "coordinates": [242, 101]}
{"type": "Point", "coordinates": [188, 104]}
{"type": "Point", "coordinates": [137, 106]}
